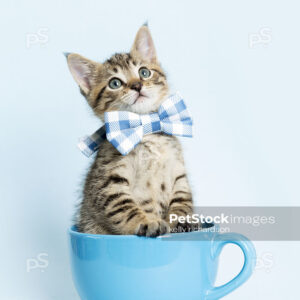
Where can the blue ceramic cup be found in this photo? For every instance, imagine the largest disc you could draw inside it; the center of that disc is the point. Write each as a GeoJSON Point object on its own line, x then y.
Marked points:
{"type": "Point", "coordinates": [175, 266]}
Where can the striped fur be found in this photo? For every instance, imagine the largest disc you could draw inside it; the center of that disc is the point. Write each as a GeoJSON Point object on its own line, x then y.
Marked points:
{"type": "Point", "coordinates": [133, 194]}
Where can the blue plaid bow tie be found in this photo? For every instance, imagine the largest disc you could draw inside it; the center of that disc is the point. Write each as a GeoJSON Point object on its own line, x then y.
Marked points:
{"type": "Point", "coordinates": [125, 130]}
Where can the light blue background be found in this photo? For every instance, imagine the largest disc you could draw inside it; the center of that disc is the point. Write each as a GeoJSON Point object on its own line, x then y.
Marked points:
{"type": "Point", "coordinates": [245, 102]}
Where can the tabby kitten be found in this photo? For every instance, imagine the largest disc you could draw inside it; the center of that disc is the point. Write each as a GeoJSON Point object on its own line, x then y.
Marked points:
{"type": "Point", "coordinates": [136, 193]}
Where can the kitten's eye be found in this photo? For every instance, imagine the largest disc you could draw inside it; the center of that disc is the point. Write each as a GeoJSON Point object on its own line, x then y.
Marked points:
{"type": "Point", "coordinates": [144, 72]}
{"type": "Point", "coordinates": [115, 83]}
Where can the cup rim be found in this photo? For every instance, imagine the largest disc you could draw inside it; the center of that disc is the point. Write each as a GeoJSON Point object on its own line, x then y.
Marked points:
{"type": "Point", "coordinates": [73, 231]}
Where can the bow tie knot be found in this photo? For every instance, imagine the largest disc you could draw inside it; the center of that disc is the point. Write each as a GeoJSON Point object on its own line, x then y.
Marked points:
{"type": "Point", "coordinates": [125, 130]}
{"type": "Point", "coordinates": [151, 123]}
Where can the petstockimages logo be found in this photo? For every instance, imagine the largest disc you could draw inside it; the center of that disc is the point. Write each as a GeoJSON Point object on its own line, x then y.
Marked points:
{"type": "Point", "coordinates": [257, 223]}
{"type": "Point", "coordinates": [196, 219]}
{"type": "Point", "coordinates": [222, 219]}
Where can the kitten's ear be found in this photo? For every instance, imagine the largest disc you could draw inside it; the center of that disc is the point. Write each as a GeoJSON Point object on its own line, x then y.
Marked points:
{"type": "Point", "coordinates": [83, 71]}
{"type": "Point", "coordinates": [143, 45]}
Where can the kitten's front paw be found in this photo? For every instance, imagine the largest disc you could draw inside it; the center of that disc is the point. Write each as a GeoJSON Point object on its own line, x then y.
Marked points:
{"type": "Point", "coordinates": [153, 228]}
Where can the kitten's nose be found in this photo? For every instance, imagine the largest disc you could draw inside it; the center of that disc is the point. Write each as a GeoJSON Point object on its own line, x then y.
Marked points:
{"type": "Point", "coordinates": [137, 86]}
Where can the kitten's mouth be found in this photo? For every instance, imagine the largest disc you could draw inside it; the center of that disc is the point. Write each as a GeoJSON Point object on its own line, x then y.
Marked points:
{"type": "Point", "coordinates": [140, 97]}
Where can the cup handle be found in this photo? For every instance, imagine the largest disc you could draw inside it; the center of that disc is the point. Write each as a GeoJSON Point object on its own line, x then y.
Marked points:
{"type": "Point", "coordinates": [249, 262]}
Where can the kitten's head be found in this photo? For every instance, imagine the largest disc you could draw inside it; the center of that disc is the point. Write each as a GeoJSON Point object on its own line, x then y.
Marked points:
{"type": "Point", "coordinates": [128, 81]}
